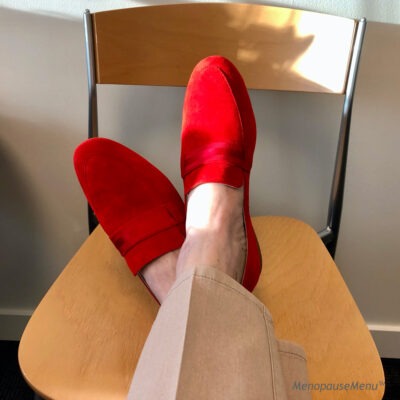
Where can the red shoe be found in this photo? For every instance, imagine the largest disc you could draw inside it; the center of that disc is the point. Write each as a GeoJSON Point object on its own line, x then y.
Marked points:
{"type": "Point", "coordinates": [218, 140]}
{"type": "Point", "coordinates": [136, 205]}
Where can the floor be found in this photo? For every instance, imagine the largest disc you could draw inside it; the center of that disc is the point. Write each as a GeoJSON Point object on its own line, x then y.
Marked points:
{"type": "Point", "coordinates": [13, 386]}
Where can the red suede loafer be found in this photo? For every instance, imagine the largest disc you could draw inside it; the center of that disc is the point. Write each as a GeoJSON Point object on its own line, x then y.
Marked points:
{"type": "Point", "coordinates": [136, 204]}
{"type": "Point", "coordinates": [218, 140]}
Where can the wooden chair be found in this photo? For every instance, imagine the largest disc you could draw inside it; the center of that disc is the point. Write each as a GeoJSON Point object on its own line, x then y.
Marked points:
{"type": "Point", "coordinates": [85, 337]}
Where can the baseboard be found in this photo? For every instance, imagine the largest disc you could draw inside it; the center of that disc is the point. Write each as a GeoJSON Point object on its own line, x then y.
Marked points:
{"type": "Point", "coordinates": [387, 339]}
{"type": "Point", "coordinates": [13, 322]}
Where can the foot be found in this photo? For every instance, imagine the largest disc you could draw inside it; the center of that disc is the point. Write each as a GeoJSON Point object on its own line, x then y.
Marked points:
{"type": "Point", "coordinates": [217, 145]}
{"type": "Point", "coordinates": [160, 274]}
{"type": "Point", "coordinates": [215, 234]}
{"type": "Point", "coordinates": [137, 206]}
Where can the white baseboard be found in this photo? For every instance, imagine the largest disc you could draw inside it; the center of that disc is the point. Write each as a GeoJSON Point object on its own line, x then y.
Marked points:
{"type": "Point", "coordinates": [13, 322]}
{"type": "Point", "coordinates": [387, 339]}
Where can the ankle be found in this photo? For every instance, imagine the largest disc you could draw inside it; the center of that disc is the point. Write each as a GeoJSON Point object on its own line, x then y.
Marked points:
{"type": "Point", "coordinates": [220, 248]}
{"type": "Point", "coordinates": [213, 207]}
{"type": "Point", "coordinates": [160, 274]}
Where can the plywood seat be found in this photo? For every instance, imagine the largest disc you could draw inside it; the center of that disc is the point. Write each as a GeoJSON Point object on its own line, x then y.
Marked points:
{"type": "Point", "coordinates": [84, 339]}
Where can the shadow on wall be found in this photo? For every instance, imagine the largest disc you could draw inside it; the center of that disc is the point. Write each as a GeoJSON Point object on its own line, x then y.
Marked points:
{"type": "Point", "coordinates": [368, 247]}
{"type": "Point", "coordinates": [21, 244]}
{"type": "Point", "coordinates": [39, 196]}
{"type": "Point", "coordinates": [43, 105]}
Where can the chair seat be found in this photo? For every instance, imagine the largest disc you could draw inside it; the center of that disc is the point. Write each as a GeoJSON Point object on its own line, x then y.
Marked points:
{"type": "Point", "coordinates": [85, 337]}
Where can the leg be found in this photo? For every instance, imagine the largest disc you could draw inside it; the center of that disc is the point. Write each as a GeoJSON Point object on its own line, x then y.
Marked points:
{"type": "Point", "coordinates": [212, 339]}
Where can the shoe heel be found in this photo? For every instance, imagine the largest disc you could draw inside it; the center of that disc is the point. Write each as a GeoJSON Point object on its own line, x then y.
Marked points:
{"type": "Point", "coordinates": [253, 265]}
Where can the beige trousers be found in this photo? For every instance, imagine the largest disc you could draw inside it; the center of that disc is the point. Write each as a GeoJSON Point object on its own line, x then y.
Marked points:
{"type": "Point", "coordinates": [213, 340]}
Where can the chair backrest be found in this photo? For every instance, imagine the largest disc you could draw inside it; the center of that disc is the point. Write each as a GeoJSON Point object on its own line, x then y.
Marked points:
{"type": "Point", "coordinates": [274, 48]}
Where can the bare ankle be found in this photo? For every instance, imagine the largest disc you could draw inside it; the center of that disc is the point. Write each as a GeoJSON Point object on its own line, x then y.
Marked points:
{"type": "Point", "coordinates": [160, 274]}
{"type": "Point", "coordinates": [220, 248]}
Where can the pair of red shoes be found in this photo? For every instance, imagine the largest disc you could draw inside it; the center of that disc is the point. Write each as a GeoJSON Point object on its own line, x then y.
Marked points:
{"type": "Point", "coordinates": [137, 205]}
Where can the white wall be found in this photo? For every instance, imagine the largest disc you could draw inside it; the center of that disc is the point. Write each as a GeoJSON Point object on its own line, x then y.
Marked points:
{"type": "Point", "coordinates": [374, 10]}
{"type": "Point", "coordinates": [43, 106]}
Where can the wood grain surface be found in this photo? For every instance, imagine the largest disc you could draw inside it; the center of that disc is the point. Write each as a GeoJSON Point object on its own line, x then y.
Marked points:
{"type": "Point", "coordinates": [274, 48]}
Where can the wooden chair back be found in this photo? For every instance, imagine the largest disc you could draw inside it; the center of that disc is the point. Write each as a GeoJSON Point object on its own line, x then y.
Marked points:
{"type": "Point", "coordinates": [274, 48]}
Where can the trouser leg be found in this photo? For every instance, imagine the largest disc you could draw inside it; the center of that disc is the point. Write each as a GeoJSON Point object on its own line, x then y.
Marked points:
{"type": "Point", "coordinates": [212, 339]}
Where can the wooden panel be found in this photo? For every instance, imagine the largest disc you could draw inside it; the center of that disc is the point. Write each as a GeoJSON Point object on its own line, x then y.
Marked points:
{"type": "Point", "coordinates": [84, 339]}
{"type": "Point", "coordinates": [274, 48]}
